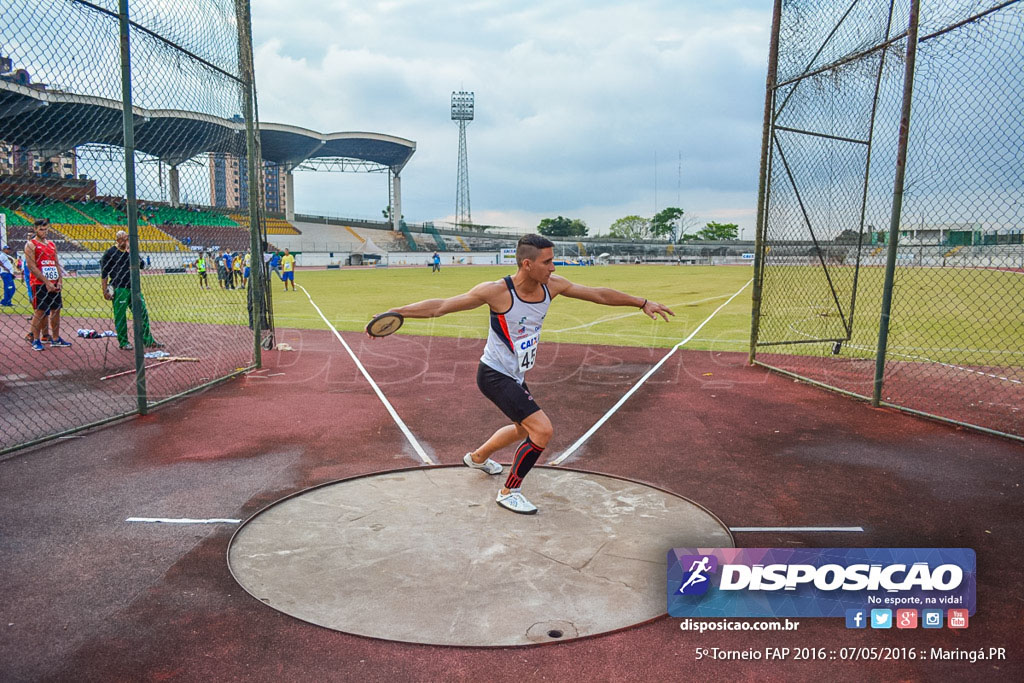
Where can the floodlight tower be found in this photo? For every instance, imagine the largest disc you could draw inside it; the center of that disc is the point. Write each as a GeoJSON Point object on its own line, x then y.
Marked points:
{"type": "Point", "coordinates": [462, 113]}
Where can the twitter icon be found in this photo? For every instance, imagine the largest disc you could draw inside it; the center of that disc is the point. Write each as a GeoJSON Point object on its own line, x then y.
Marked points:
{"type": "Point", "coordinates": [881, 618]}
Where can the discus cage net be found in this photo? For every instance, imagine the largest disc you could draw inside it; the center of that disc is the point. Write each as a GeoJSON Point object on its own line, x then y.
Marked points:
{"type": "Point", "coordinates": [138, 117]}
{"type": "Point", "coordinates": [902, 283]}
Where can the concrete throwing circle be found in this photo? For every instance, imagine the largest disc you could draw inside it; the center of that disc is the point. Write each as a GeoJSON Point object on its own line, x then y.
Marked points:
{"type": "Point", "coordinates": [426, 556]}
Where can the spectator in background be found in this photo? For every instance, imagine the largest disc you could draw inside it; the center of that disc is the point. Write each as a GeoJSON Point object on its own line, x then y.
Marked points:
{"type": "Point", "coordinates": [236, 269]}
{"type": "Point", "coordinates": [47, 278]}
{"type": "Point", "coordinates": [229, 276]}
{"type": "Point", "coordinates": [149, 263]}
{"type": "Point", "coordinates": [23, 266]}
{"type": "Point", "coordinates": [219, 262]}
{"type": "Point", "coordinates": [288, 270]}
{"type": "Point", "coordinates": [116, 281]}
{"type": "Point", "coordinates": [201, 271]}
{"type": "Point", "coordinates": [275, 264]}
{"type": "Point", "coordinates": [247, 269]}
{"type": "Point", "coordinates": [437, 263]}
{"type": "Point", "coordinates": [7, 274]}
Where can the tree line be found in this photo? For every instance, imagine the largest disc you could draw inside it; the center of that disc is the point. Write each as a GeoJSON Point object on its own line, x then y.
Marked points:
{"type": "Point", "coordinates": [668, 224]}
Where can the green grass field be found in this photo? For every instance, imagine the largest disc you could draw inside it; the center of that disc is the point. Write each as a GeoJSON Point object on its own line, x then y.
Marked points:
{"type": "Point", "coordinates": [349, 298]}
{"type": "Point", "coordinates": [958, 316]}
{"type": "Point", "coordinates": [168, 297]}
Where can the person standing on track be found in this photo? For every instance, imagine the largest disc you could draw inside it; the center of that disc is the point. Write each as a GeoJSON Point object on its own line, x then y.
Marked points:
{"type": "Point", "coordinates": [518, 305]}
{"type": "Point", "coordinates": [47, 278]}
{"type": "Point", "coordinates": [436, 260]}
{"type": "Point", "coordinates": [116, 281]}
{"type": "Point", "coordinates": [27, 274]}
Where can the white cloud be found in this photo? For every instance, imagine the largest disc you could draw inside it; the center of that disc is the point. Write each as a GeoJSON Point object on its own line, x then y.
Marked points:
{"type": "Point", "coordinates": [574, 101]}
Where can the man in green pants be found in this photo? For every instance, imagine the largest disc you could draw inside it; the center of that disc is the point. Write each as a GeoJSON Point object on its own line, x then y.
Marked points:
{"type": "Point", "coordinates": [116, 280]}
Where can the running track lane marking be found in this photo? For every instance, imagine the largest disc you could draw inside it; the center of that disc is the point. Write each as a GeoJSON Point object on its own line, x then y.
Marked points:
{"type": "Point", "coordinates": [625, 397]}
{"type": "Point", "coordinates": [380, 394]}
{"type": "Point", "coordinates": [632, 313]}
{"type": "Point", "coordinates": [797, 528]}
{"type": "Point", "coordinates": [183, 520]}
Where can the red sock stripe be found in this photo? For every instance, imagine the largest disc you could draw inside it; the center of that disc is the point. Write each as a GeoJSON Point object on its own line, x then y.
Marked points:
{"type": "Point", "coordinates": [514, 480]}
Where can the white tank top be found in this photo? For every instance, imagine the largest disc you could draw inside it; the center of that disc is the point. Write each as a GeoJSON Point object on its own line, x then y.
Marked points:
{"type": "Point", "coordinates": [514, 335]}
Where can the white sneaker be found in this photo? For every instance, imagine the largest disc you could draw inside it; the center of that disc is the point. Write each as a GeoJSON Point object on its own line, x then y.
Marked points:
{"type": "Point", "coordinates": [488, 465]}
{"type": "Point", "coordinates": [516, 502]}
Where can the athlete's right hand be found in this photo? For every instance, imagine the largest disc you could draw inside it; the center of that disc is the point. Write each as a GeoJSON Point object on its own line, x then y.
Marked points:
{"type": "Point", "coordinates": [51, 286]}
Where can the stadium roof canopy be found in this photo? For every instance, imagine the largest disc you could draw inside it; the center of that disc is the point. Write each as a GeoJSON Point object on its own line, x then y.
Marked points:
{"type": "Point", "coordinates": [54, 121]}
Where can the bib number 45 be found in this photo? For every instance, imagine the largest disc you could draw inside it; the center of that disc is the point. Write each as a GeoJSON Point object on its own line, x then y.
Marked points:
{"type": "Point", "coordinates": [526, 352]}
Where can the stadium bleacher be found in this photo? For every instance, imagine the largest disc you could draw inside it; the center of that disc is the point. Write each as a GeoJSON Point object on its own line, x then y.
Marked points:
{"type": "Point", "coordinates": [13, 219]}
{"type": "Point", "coordinates": [102, 213]}
{"type": "Point", "coordinates": [437, 238]}
{"type": "Point", "coordinates": [91, 225]}
{"type": "Point", "coordinates": [209, 236]}
{"type": "Point", "coordinates": [17, 235]}
{"type": "Point", "coordinates": [159, 215]}
{"type": "Point", "coordinates": [56, 212]}
{"type": "Point", "coordinates": [275, 226]}
{"type": "Point", "coordinates": [410, 240]}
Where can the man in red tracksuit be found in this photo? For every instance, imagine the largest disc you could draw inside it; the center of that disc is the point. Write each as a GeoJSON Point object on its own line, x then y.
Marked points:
{"type": "Point", "coordinates": [46, 279]}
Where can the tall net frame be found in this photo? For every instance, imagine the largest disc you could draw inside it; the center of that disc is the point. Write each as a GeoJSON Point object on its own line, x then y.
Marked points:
{"type": "Point", "coordinates": [890, 256]}
{"type": "Point", "coordinates": [110, 112]}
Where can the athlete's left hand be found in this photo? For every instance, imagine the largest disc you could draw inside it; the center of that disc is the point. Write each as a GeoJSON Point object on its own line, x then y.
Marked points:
{"type": "Point", "coordinates": [654, 309]}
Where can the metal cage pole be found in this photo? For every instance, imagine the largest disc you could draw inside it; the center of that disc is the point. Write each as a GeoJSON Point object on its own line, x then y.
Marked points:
{"type": "Point", "coordinates": [759, 236]}
{"type": "Point", "coordinates": [897, 203]}
{"type": "Point", "coordinates": [255, 169]}
{"type": "Point", "coordinates": [132, 208]}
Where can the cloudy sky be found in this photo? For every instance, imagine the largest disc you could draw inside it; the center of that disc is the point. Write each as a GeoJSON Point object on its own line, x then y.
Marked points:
{"type": "Point", "coordinates": [583, 108]}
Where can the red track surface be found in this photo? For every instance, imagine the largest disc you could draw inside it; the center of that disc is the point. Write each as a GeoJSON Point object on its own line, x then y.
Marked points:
{"type": "Point", "coordinates": [982, 395]}
{"type": "Point", "coordinates": [87, 596]}
{"type": "Point", "coordinates": [62, 386]}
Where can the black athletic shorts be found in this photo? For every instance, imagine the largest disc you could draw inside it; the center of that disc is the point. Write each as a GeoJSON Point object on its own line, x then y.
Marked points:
{"type": "Point", "coordinates": [46, 301]}
{"type": "Point", "coordinates": [511, 397]}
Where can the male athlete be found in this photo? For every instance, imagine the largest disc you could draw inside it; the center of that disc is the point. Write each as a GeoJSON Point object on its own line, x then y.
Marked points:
{"type": "Point", "coordinates": [519, 304]}
{"type": "Point", "coordinates": [47, 278]}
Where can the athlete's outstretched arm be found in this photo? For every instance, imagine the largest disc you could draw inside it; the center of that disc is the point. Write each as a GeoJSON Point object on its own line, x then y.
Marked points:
{"type": "Point", "coordinates": [433, 308]}
{"type": "Point", "coordinates": [607, 297]}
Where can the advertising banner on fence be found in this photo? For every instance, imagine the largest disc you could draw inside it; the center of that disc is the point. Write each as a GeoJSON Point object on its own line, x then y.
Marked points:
{"type": "Point", "coordinates": [508, 257]}
{"type": "Point", "coordinates": [817, 582]}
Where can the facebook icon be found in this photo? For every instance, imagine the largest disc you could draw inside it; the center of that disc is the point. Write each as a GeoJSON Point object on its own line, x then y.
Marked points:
{"type": "Point", "coordinates": [856, 618]}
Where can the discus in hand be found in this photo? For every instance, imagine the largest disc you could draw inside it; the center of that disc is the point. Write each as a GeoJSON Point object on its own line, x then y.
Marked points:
{"type": "Point", "coordinates": [384, 324]}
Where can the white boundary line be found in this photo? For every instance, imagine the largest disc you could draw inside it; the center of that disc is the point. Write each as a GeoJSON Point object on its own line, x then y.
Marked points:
{"type": "Point", "coordinates": [597, 425]}
{"type": "Point", "coordinates": [632, 313]}
{"type": "Point", "coordinates": [797, 528]}
{"type": "Point", "coordinates": [380, 394]}
{"type": "Point", "coordinates": [183, 520]}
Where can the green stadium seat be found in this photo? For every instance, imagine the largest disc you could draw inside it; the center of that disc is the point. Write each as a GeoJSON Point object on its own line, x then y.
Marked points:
{"type": "Point", "coordinates": [13, 219]}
